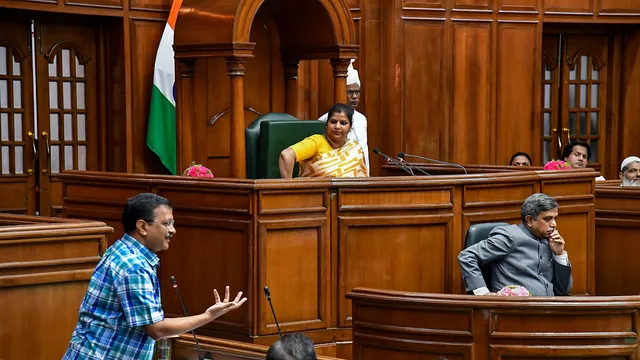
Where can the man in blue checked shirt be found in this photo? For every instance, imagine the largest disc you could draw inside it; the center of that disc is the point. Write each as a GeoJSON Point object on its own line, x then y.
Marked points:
{"type": "Point", "coordinates": [121, 315]}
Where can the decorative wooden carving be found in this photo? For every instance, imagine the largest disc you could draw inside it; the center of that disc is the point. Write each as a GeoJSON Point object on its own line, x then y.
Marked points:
{"type": "Point", "coordinates": [236, 66]}
{"type": "Point", "coordinates": [186, 67]}
{"type": "Point", "coordinates": [598, 64]}
{"type": "Point", "coordinates": [340, 67]}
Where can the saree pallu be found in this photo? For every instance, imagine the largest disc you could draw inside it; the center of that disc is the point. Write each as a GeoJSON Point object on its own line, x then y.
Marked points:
{"type": "Point", "coordinates": [347, 161]}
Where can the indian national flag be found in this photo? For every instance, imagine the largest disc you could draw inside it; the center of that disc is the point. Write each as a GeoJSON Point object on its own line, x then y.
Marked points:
{"type": "Point", "coordinates": [161, 136]}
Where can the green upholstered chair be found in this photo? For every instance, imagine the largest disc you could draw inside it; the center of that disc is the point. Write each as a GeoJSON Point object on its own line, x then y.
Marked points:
{"type": "Point", "coordinates": [477, 233]}
{"type": "Point", "coordinates": [252, 140]}
{"type": "Point", "coordinates": [268, 135]}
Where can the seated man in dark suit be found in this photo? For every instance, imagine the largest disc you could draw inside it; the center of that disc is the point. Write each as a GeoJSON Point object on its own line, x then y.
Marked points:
{"type": "Point", "coordinates": [294, 346]}
{"type": "Point", "coordinates": [530, 254]}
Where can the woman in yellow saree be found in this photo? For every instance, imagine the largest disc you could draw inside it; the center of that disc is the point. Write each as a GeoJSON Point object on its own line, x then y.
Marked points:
{"type": "Point", "coordinates": [330, 154]}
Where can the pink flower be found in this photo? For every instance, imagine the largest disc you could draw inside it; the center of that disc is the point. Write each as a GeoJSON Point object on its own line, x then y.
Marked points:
{"type": "Point", "coordinates": [196, 170]}
{"type": "Point", "coordinates": [514, 290]}
{"type": "Point", "coordinates": [557, 165]}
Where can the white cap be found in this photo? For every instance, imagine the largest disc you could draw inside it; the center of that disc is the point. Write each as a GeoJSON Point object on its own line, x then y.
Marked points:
{"type": "Point", "coordinates": [628, 161]}
{"type": "Point", "coordinates": [352, 75]}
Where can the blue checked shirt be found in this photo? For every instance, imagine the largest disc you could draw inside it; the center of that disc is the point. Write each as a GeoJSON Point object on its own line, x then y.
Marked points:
{"type": "Point", "coordinates": [123, 296]}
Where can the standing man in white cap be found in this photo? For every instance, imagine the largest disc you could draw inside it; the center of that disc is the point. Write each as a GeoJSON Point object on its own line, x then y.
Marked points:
{"type": "Point", "coordinates": [630, 171]}
{"type": "Point", "coordinates": [359, 129]}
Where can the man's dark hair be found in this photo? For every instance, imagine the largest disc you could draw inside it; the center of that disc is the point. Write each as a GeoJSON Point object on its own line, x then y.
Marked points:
{"type": "Point", "coordinates": [340, 108]}
{"type": "Point", "coordinates": [520, 153]}
{"type": "Point", "coordinates": [569, 149]}
{"type": "Point", "coordinates": [141, 207]}
{"type": "Point", "coordinates": [294, 346]}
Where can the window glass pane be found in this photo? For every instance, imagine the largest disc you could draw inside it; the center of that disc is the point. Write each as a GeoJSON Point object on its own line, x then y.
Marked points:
{"type": "Point", "coordinates": [594, 95]}
{"type": "Point", "coordinates": [595, 75]}
{"type": "Point", "coordinates": [53, 95]}
{"type": "Point", "coordinates": [5, 160]}
{"type": "Point", "coordinates": [80, 95]}
{"type": "Point", "coordinates": [16, 66]}
{"type": "Point", "coordinates": [547, 74]}
{"type": "Point", "coordinates": [547, 151]}
{"type": "Point", "coordinates": [572, 123]}
{"type": "Point", "coordinates": [4, 94]}
{"type": "Point", "coordinates": [68, 128]}
{"type": "Point", "coordinates": [583, 96]}
{"type": "Point", "coordinates": [53, 67]}
{"type": "Point", "coordinates": [547, 96]}
{"type": "Point", "coordinates": [66, 65]}
{"type": "Point", "coordinates": [82, 132]}
{"type": "Point", "coordinates": [17, 94]}
{"type": "Point", "coordinates": [17, 127]}
{"type": "Point", "coordinates": [68, 157]}
{"type": "Point", "coordinates": [4, 127]}
{"type": "Point", "coordinates": [594, 151]}
{"type": "Point", "coordinates": [572, 73]}
{"type": "Point", "coordinates": [82, 158]}
{"type": "Point", "coordinates": [594, 123]}
{"type": "Point", "coordinates": [584, 64]}
{"type": "Point", "coordinates": [583, 123]}
{"type": "Point", "coordinates": [55, 159]}
{"type": "Point", "coordinates": [19, 157]}
{"type": "Point", "coordinates": [53, 127]}
{"type": "Point", "coordinates": [572, 96]}
{"type": "Point", "coordinates": [79, 68]}
{"type": "Point", "coordinates": [66, 94]}
{"type": "Point", "coordinates": [3, 60]}
{"type": "Point", "coordinates": [547, 123]}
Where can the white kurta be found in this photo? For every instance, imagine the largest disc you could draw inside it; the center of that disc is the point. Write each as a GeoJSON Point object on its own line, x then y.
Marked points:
{"type": "Point", "coordinates": [358, 133]}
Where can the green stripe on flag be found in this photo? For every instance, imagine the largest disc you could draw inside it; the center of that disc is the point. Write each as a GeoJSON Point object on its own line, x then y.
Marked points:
{"type": "Point", "coordinates": [161, 136]}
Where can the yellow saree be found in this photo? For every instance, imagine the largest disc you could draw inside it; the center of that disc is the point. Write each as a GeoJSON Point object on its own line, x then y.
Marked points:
{"type": "Point", "coordinates": [347, 161]}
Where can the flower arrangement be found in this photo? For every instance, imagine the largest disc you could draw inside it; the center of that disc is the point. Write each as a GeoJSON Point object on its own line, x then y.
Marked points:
{"type": "Point", "coordinates": [557, 165]}
{"type": "Point", "coordinates": [197, 170]}
{"type": "Point", "coordinates": [513, 290]}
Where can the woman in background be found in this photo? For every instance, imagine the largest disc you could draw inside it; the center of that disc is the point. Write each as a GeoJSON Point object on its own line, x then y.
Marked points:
{"type": "Point", "coordinates": [330, 154]}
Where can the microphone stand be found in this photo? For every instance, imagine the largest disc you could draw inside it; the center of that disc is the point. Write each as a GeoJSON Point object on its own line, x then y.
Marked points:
{"type": "Point", "coordinates": [433, 160]}
{"type": "Point", "coordinates": [402, 160]}
{"type": "Point", "coordinates": [394, 161]}
{"type": "Point", "coordinates": [174, 284]}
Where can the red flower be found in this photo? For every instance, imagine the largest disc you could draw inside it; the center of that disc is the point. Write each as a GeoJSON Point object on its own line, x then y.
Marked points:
{"type": "Point", "coordinates": [557, 165]}
{"type": "Point", "coordinates": [196, 170]}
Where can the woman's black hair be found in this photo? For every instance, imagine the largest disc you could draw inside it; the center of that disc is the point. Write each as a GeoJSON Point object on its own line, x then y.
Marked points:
{"type": "Point", "coordinates": [340, 108]}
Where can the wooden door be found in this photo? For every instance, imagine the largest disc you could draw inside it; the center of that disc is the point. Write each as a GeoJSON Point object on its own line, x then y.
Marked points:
{"type": "Point", "coordinates": [67, 99]}
{"type": "Point", "coordinates": [18, 150]}
{"type": "Point", "coordinates": [575, 75]}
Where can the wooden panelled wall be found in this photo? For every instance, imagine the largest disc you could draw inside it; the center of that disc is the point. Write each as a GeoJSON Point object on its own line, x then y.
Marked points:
{"type": "Point", "coordinates": [457, 80]}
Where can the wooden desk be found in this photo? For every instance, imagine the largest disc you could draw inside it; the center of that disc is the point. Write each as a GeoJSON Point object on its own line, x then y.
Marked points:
{"type": "Point", "coordinates": [395, 325]}
{"type": "Point", "coordinates": [313, 240]}
{"type": "Point", "coordinates": [617, 241]}
{"type": "Point", "coordinates": [45, 267]}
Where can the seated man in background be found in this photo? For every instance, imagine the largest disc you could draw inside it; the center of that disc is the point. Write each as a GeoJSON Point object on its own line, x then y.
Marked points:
{"type": "Point", "coordinates": [331, 154]}
{"type": "Point", "coordinates": [520, 159]}
{"type": "Point", "coordinates": [630, 171]}
{"type": "Point", "coordinates": [294, 346]}
{"type": "Point", "coordinates": [530, 254]}
{"type": "Point", "coordinates": [577, 154]}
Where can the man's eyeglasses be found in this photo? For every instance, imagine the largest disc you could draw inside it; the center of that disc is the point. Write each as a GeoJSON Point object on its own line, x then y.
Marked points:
{"type": "Point", "coordinates": [353, 92]}
{"type": "Point", "coordinates": [167, 224]}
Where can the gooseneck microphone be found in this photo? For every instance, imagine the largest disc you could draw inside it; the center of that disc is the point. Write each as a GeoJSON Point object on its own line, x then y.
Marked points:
{"type": "Point", "coordinates": [174, 284]}
{"type": "Point", "coordinates": [402, 155]}
{"type": "Point", "coordinates": [394, 161]}
{"type": "Point", "coordinates": [267, 293]}
{"type": "Point", "coordinates": [403, 161]}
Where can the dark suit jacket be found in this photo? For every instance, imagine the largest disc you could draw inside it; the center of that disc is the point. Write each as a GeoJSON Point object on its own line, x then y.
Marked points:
{"type": "Point", "coordinates": [516, 257]}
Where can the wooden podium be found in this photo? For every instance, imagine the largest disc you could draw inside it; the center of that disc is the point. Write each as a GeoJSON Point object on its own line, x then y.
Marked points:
{"type": "Point", "coordinates": [313, 240]}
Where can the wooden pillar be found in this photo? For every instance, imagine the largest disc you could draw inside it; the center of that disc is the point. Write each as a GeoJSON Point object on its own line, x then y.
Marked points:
{"type": "Point", "coordinates": [340, 79]}
{"type": "Point", "coordinates": [235, 70]}
{"type": "Point", "coordinates": [291, 75]}
{"type": "Point", "coordinates": [184, 122]}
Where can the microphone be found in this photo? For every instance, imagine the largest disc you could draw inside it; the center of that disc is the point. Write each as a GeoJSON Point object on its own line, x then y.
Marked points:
{"type": "Point", "coordinates": [403, 161]}
{"type": "Point", "coordinates": [267, 293]}
{"type": "Point", "coordinates": [394, 161]}
{"type": "Point", "coordinates": [402, 155]}
{"type": "Point", "coordinates": [174, 284]}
